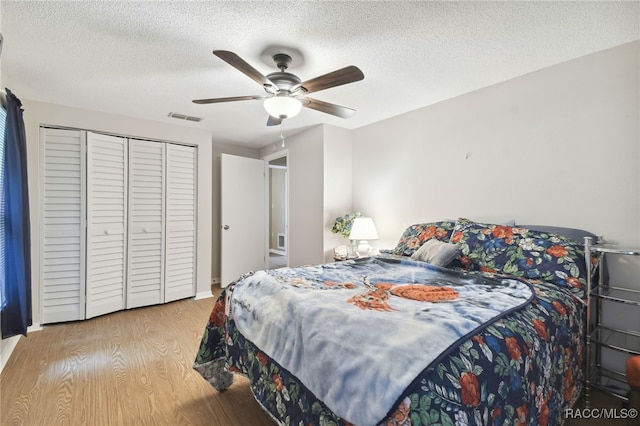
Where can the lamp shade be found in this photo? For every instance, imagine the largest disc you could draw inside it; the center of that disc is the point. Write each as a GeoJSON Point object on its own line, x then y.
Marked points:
{"type": "Point", "coordinates": [363, 229]}
{"type": "Point", "coordinates": [282, 106]}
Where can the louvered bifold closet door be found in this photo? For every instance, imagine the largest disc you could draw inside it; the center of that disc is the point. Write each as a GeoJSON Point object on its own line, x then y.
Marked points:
{"type": "Point", "coordinates": [145, 269]}
{"type": "Point", "coordinates": [106, 223]}
{"type": "Point", "coordinates": [62, 237]}
{"type": "Point", "coordinates": [180, 262]}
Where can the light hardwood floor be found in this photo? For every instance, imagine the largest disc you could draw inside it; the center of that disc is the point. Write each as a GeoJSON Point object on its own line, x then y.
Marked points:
{"type": "Point", "coordinates": [127, 368]}
{"type": "Point", "coordinates": [133, 368]}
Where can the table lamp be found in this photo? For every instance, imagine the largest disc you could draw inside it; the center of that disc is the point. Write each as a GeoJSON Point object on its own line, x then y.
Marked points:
{"type": "Point", "coordinates": [363, 230]}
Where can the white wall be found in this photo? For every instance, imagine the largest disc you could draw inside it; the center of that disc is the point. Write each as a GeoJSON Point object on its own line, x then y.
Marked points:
{"type": "Point", "coordinates": [319, 166]}
{"type": "Point", "coordinates": [560, 146]}
{"type": "Point", "coordinates": [304, 162]}
{"type": "Point", "coordinates": [37, 114]}
{"type": "Point", "coordinates": [337, 161]}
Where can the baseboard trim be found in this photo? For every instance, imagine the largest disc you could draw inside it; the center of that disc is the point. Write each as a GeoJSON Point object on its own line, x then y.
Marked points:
{"type": "Point", "coordinates": [8, 345]}
{"type": "Point", "coordinates": [203, 295]}
{"type": "Point", "coordinates": [34, 327]}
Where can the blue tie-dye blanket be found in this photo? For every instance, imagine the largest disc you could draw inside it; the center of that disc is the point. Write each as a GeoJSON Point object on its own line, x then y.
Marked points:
{"type": "Point", "coordinates": [357, 333]}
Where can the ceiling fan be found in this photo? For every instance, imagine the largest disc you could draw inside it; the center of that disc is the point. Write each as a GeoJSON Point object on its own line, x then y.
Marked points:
{"type": "Point", "coordinates": [285, 92]}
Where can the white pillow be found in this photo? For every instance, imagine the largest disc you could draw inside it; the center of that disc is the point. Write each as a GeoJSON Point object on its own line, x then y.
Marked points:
{"type": "Point", "coordinates": [436, 252]}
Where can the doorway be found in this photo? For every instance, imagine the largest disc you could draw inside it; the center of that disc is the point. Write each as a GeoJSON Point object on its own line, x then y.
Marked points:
{"type": "Point", "coordinates": [278, 211]}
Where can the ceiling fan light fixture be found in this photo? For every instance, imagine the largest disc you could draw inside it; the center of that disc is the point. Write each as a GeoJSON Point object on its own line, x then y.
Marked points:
{"type": "Point", "coordinates": [282, 106]}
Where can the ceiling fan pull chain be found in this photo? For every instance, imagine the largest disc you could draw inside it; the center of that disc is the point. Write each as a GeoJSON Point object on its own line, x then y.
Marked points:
{"type": "Point", "coordinates": [281, 130]}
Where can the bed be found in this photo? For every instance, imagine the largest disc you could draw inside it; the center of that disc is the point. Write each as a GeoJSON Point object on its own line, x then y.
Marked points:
{"type": "Point", "coordinates": [461, 323]}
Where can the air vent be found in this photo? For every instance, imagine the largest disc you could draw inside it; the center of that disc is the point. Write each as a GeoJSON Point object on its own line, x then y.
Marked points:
{"type": "Point", "coordinates": [184, 117]}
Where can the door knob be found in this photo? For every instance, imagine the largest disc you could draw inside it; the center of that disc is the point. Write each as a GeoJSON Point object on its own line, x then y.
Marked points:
{"type": "Point", "coordinates": [225, 227]}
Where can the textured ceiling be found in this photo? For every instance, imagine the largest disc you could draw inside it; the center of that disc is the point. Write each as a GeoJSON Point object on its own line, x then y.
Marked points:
{"type": "Point", "coordinates": [146, 59]}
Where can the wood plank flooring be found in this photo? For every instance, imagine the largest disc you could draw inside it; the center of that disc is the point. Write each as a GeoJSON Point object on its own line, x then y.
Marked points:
{"type": "Point", "coordinates": [126, 368]}
{"type": "Point", "coordinates": [133, 368]}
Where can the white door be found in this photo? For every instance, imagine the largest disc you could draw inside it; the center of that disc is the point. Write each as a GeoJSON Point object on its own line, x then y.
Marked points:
{"type": "Point", "coordinates": [243, 216]}
{"type": "Point", "coordinates": [145, 266]}
{"type": "Point", "coordinates": [106, 223]}
{"type": "Point", "coordinates": [180, 260]}
{"type": "Point", "coordinates": [63, 236]}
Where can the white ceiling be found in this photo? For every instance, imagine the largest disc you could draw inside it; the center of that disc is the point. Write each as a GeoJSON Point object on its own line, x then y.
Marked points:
{"type": "Point", "coordinates": [146, 59]}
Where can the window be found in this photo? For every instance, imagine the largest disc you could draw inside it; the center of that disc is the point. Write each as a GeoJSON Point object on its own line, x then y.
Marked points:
{"type": "Point", "coordinates": [15, 261]}
{"type": "Point", "coordinates": [3, 142]}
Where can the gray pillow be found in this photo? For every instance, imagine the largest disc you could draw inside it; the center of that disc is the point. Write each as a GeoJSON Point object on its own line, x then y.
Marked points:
{"type": "Point", "coordinates": [436, 252]}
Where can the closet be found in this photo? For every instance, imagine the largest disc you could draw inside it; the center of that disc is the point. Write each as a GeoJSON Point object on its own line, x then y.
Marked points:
{"type": "Point", "coordinates": [106, 224]}
{"type": "Point", "coordinates": [119, 218]}
{"type": "Point", "coordinates": [145, 273]}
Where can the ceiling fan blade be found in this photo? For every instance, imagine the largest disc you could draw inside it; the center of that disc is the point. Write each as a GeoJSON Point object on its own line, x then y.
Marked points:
{"type": "Point", "coordinates": [241, 65]}
{"type": "Point", "coordinates": [342, 76]}
{"type": "Point", "coordinates": [326, 107]}
{"type": "Point", "coordinates": [234, 98]}
{"type": "Point", "coordinates": [272, 121]}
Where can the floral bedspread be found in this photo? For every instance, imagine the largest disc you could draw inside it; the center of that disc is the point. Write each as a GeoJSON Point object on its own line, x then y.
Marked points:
{"type": "Point", "coordinates": [365, 328]}
{"type": "Point", "coordinates": [502, 373]}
